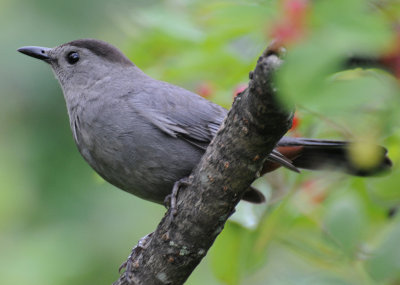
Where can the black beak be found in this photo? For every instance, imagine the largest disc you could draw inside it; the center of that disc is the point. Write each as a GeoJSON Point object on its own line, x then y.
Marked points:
{"type": "Point", "coordinates": [36, 52]}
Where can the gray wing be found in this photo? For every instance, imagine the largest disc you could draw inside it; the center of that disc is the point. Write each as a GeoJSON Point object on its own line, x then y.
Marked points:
{"type": "Point", "coordinates": [179, 112]}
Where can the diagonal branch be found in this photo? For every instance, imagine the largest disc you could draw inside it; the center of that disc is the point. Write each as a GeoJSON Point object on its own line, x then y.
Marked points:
{"type": "Point", "coordinates": [231, 163]}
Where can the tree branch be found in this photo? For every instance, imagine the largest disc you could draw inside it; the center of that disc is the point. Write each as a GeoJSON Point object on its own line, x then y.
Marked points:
{"type": "Point", "coordinates": [231, 163]}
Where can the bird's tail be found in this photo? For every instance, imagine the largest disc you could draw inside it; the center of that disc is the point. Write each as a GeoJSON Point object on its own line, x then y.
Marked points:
{"type": "Point", "coordinates": [316, 154]}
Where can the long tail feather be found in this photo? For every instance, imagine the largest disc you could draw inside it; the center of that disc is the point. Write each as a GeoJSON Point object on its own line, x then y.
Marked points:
{"type": "Point", "coordinates": [327, 154]}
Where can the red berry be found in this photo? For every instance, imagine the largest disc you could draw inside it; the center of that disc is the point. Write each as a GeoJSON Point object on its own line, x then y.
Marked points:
{"type": "Point", "coordinates": [296, 9]}
{"type": "Point", "coordinates": [239, 89]}
{"type": "Point", "coordinates": [392, 58]}
{"type": "Point", "coordinates": [295, 122]}
{"type": "Point", "coordinates": [205, 89]}
{"type": "Point", "coordinates": [292, 24]}
{"type": "Point", "coordinates": [315, 191]}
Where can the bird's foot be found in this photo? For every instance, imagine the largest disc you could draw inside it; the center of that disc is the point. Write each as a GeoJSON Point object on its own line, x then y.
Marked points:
{"type": "Point", "coordinates": [129, 264]}
{"type": "Point", "coordinates": [170, 200]}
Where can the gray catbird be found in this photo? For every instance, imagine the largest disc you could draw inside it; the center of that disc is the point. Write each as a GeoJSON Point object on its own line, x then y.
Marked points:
{"type": "Point", "coordinates": [142, 135]}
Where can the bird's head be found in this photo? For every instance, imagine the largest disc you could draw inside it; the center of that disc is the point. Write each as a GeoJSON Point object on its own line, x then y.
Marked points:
{"type": "Point", "coordinates": [81, 62]}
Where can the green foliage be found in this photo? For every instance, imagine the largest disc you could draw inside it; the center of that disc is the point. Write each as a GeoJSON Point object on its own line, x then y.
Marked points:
{"type": "Point", "coordinates": [233, 253]}
{"type": "Point", "coordinates": [345, 222]}
{"type": "Point", "coordinates": [384, 265]}
{"type": "Point", "coordinates": [61, 224]}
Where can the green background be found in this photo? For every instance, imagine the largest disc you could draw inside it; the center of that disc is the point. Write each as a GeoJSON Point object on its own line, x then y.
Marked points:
{"type": "Point", "coordinates": [62, 224]}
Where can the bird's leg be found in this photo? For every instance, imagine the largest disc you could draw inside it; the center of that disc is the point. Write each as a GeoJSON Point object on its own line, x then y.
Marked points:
{"type": "Point", "coordinates": [170, 200]}
{"type": "Point", "coordinates": [128, 265]}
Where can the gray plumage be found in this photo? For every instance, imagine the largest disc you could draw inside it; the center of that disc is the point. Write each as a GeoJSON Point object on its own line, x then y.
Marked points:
{"type": "Point", "coordinates": [138, 133]}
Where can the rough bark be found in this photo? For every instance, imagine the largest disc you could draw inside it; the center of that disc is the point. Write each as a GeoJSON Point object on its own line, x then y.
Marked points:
{"type": "Point", "coordinates": [230, 164]}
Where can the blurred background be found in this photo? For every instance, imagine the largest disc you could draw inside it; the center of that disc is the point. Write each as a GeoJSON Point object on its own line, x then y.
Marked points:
{"type": "Point", "coordinates": [62, 224]}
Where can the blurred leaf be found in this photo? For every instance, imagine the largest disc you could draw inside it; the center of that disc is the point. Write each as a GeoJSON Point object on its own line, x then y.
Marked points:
{"type": "Point", "coordinates": [234, 254]}
{"type": "Point", "coordinates": [227, 254]}
{"type": "Point", "coordinates": [365, 154]}
{"type": "Point", "coordinates": [173, 24]}
{"type": "Point", "coordinates": [331, 41]}
{"type": "Point", "coordinates": [345, 223]}
{"type": "Point", "coordinates": [249, 215]}
{"type": "Point", "coordinates": [286, 267]}
{"type": "Point", "coordinates": [386, 189]}
{"type": "Point", "coordinates": [384, 264]}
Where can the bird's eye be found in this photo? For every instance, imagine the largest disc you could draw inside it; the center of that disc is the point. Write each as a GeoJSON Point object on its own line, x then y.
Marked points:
{"type": "Point", "coordinates": [73, 57]}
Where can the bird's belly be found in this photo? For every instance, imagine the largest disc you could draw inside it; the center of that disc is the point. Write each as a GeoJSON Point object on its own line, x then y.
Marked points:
{"type": "Point", "coordinates": [146, 168]}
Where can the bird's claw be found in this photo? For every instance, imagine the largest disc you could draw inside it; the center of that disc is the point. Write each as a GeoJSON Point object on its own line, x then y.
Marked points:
{"type": "Point", "coordinates": [170, 200]}
{"type": "Point", "coordinates": [128, 265]}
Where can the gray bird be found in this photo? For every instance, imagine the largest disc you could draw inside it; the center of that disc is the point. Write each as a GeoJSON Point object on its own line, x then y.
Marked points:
{"type": "Point", "coordinates": [142, 135]}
